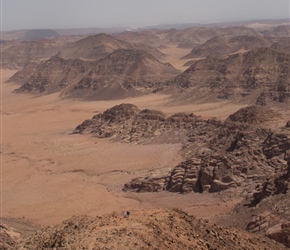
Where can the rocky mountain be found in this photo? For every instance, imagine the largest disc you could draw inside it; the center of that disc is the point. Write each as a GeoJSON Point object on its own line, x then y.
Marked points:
{"type": "Point", "coordinates": [186, 38]}
{"type": "Point", "coordinates": [53, 75]}
{"type": "Point", "coordinates": [37, 34]}
{"type": "Point", "coordinates": [153, 229]}
{"type": "Point", "coordinates": [258, 76]}
{"type": "Point", "coordinates": [202, 34]}
{"type": "Point", "coordinates": [144, 36]}
{"type": "Point", "coordinates": [99, 46]}
{"type": "Point", "coordinates": [16, 54]}
{"type": "Point", "coordinates": [278, 31]}
{"type": "Point", "coordinates": [23, 75]}
{"type": "Point", "coordinates": [120, 74]}
{"type": "Point", "coordinates": [93, 47]}
{"type": "Point", "coordinates": [282, 45]}
{"type": "Point", "coordinates": [223, 46]}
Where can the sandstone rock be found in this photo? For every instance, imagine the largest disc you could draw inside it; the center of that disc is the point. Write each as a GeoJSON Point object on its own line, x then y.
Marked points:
{"type": "Point", "coordinates": [153, 183]}
{"type": "Point", "coordinates": [259, 223]}
{"type": "Point", "coordinates": [280, 233]}
{"type": "Point", "coordinates": [8, 237]}
{"type": "Point", "coordinates": [277, 144]}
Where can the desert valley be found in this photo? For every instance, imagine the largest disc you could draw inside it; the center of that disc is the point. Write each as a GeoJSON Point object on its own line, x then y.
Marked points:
{"type": "Point", "coordinates": [187, 129]}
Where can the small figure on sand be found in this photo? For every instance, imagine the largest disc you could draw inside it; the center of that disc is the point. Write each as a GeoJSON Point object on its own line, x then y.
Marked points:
{"type": "Point", "coordinates": [127, 214]}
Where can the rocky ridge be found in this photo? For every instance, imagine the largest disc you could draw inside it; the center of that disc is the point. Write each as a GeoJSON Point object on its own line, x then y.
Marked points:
{"type": "Point", "coordinates": [184, 38]}
{"type": "Point", "coordinates": [120, 74]}
{"type": "Point", "coordinates": [127, 123]}
{"type": "Point", "coordinates": [282, 45]}
{"type": "Point", "coordinates": [259, 76]}
{"type": "Point", "coordinates": [17, 54]}
{"type": "Point", "coordinates": [100, 46]}
{"type": "Point", "coordinates": [153, 229]}
{"type": "Point", "coordinates": [223, 46]}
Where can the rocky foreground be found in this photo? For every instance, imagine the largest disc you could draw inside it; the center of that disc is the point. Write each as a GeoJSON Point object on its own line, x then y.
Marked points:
{"type": "Point", "coordinates": [156, 229]}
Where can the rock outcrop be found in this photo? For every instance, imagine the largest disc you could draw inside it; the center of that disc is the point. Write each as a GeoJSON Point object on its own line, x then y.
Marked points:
{"type": "Point", "coordinates": [253, 115]}
{"type": "Point", "coordinates": [156, 229]}
{"type": "Point", "coordinates": [235, 154]}
{"type": "Point", "coordinates": [8, 237]}
{"type": "Point", "coordinates": [125, 122]}
{"type": "Point", "coordinates": [280, 233]}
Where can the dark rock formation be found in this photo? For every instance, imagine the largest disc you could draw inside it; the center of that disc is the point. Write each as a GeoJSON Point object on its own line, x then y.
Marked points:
{"type": "Point", "coordinates": [127, 123]}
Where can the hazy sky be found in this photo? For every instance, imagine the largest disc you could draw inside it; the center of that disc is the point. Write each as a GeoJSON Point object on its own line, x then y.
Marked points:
{"type": "Point", "coordinates": [35, 14]}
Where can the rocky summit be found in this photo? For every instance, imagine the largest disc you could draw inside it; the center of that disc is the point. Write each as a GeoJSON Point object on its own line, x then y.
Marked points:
{"type": "Point", "coordinates": [153, 229]}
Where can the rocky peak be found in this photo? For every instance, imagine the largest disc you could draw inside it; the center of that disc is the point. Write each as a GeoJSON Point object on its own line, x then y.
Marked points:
{"type": "Point", "coordinates": [253, 115]}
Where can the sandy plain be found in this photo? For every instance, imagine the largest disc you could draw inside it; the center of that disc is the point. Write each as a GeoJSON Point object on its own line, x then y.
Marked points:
{"type": "Point", "coordinates": [48, 175]}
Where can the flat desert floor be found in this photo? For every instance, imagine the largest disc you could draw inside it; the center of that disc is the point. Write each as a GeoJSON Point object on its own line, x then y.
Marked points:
{"type": "Point", "coordinates": [48, 175]}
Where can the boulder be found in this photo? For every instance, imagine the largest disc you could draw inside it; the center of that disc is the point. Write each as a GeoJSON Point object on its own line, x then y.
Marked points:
{"type": "Point", "coordinates": [280, 233]}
